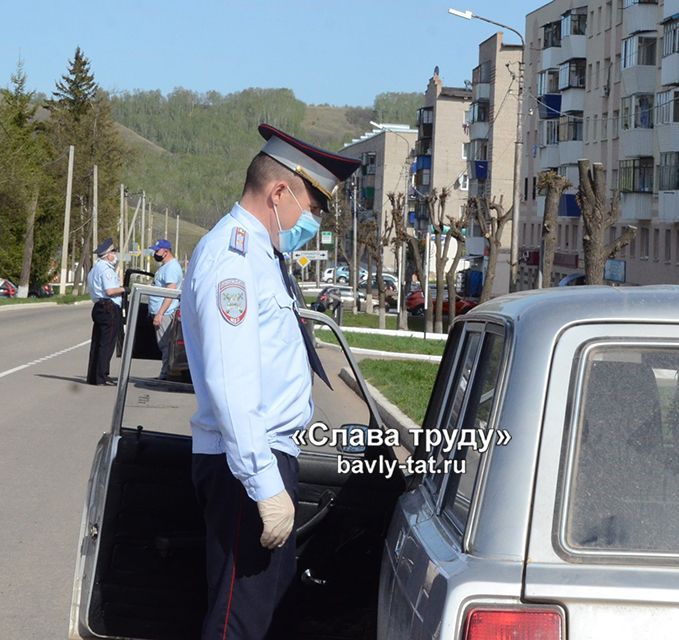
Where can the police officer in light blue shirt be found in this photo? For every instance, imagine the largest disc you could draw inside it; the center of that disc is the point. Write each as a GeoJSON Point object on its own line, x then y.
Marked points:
{"type": "Point", "coordinates": [161, 309]}
{"type": "Point", "coordinates": [250, 366]}
{"type": "Point", "coordinates": [105, 291]}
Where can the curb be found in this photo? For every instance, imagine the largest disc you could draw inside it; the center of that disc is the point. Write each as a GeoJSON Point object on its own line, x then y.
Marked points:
{"type": "Point", "coordinates": [395, 355]}
{"type": "Point", "coordinates": [392, 416]}
{"type": "Point", "coordinates": [33, 305]}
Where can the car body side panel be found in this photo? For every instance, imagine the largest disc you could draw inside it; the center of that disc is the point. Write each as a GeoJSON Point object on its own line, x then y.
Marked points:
{"type": "Point", "coordinates": [623, 598]}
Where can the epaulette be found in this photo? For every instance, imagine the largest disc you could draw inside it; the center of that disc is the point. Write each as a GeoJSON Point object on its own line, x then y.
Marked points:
{"type": "Point", "coordinates": [239, 241]}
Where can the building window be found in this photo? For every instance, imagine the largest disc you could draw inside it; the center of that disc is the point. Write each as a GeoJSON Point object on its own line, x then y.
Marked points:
{"type": "Point", "coordinates": [525, 189]}
{"type": "Point", "coordinates": [636, 175]}
{"type": "Point", "coordinates": [668, 171]}
{"type": "Point", "coordinates": [465, 150]}
{"type": "Point", "coordinates": [589, 76]}
{"type": "Point", "coordinates": [667, 106]}
{"type": "Point", "coordinates": [570, 126]}
{"type": "Point", "coordinates": [572, 74]}
{"type": "Point", "coordinates": [633, 247]}
{"type": "Point", "coordinates": [609, 14]}
{"type": "Point", "coordinates": [637, 111]}
{"type": "Point", "coordinates": [480, 111]}
{"type": "Point", "coordinates": [615, 123]}
{"type": "Point", "coordinates": [670, 38]}
{"type": "Point", "coordinates": [618, 12]}
{"type": "Point", "coordinates": [597, 73]}
{"type": "Point", "coordinates": [587, 129]}
{"type": "Point", "coordinates": [535, 186]}
{"type": "Point", "coordinates": [668, 245]}
{"type": "Point", "coordinates": [574, 22]}
{"type": "Point", "coordinates": [656, 244]}
{"type": "Point", "coordinates": [368, 163]}
{"type": "Point", "coordinates": [617, 67]}
{"type": "Point", "coordinates": [548, 81]}
{"type": "Point", "coordinates": [643, 243]}
{"type": "Point", "coordinates": [552, 35]}
{"type": "Point", "coordinates": [550, 132]}
{"type": "Point", "coordinates": [638, 50]}
{"type": "Point", "coordinates": [425, 115]}
{"type": "Point", "coordinates": [464, 182]}
{"type": "Point", "coordinates": [631, 3]}
{"type": "Point", "coordinates": [604, 125]}
{"type": "Point", "coordinates": [478, 149]}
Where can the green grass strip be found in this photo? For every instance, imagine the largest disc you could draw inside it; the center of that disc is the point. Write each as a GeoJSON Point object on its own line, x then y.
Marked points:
{"type": "Point", "coordinates": [406, 384]}
{"type": "Point", "coordinates": [387, 343]}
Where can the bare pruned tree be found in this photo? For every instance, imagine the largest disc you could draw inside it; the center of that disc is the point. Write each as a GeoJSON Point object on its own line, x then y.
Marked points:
{"type": "Point", "coordinates": [401, 236]}
{"type": "Point", "coordinates": [492, 219]}
{"type": "Point", "coordinates": [552, 185]}
{"type": "Point", "coordinates": [598, 215]}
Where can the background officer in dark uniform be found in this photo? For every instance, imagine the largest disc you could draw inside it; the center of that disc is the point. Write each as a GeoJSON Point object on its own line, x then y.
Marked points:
{"type": "Point", "coordinates": [250, 362]}
{"type": "Point", "coordinates": [106, 293]}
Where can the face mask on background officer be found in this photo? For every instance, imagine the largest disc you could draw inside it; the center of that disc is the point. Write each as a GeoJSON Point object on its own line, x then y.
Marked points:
{"type": "Point", "coordinates": [297, 219]}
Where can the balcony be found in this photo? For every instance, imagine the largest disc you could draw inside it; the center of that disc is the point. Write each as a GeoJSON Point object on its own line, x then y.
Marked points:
{"type": "Point", "coordinates": [548, 156]}
{"type": "Point", "coordinates": [573, 47]}
{"type": "Point", "coordinates": [639, 17]}
{"type": "Point", "coordinates": [481, 91]}
{"type": "Point", "coordinates": [639, 78]}
{"type": "Point", "coordinates": [669, 69]}
{"type": "Point", "coordinates": [479, 170]}
{"type": "Point", "coordinates": [635, 206]}
{"type": "Point", "coordinates": [668, 137]}
{"type": "Point", "coordinates": [552, 58]}
{"type": "Point", "coordinates": [671, 8]}
{"type": "Point", "coordinates": [636, 142]}
{"type": "Point", "coordinates": [572, 99]}
{"type": "Point", "coordinates": [549, 106]}
{"type": "Point", "coordinates": [570, 152]}
{"type": "Point", "coordinates": [668, 206]}
{"type": "Point", "coordinates": [479, 130]}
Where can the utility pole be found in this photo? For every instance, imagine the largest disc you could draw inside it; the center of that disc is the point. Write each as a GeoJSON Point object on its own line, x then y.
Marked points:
{"type": "Point", "coordinates": [334, 273]}
{"type": "Point", "coordinates": [176, 237]}
{"type": "Point", "coordinates": [150, 237]}
{"type": "Point", "coordinates": [354, 275]}
{"type": "Point", "coordinates": [143, 228]}
{"type": "Point", "coordinates": [95, 208]}
{"type": "Point", "coordinates": [121, 224]}
{"type": "Point", "coordinates": [67, 220]}
{"type": "Point", "coordinates": [165, 234]}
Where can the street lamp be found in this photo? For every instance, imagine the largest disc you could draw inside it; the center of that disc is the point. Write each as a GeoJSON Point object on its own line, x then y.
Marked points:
{"type": "Point", "coordinates": [514, 250]}
{"type": "Point", "coordinates": [400, 291]}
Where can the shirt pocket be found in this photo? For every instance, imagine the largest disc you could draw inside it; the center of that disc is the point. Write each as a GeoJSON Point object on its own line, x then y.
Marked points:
{"type": "Point", "coordinates": [288, 320]}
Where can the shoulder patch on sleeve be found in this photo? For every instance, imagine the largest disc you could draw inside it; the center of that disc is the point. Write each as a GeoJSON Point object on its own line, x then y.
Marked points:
{"type": "Point", "coordinates": [239, 241]}
{"type": "Point", "coordinates": [232, 300]}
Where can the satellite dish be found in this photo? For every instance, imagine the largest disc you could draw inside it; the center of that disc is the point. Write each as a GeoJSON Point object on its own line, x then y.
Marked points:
{"type": "Point", "coordinates": [467, 84]}
{"type": "Point", "coordinates": [436, 70]}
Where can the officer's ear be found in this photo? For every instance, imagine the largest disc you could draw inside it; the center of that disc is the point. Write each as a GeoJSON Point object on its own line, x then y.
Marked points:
{"type": "Point", "coordinates": [276, 191]}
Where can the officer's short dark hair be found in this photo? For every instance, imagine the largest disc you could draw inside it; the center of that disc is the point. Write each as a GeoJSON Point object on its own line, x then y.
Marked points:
{"type": "Point", "coordinates": [264, 169]}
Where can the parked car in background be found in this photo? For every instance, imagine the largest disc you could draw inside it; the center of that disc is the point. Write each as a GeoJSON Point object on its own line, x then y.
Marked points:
{"type": "Point", "coordinates": [40, 290]}
{"type": "Point", "coordinates": [415, 303]}
{"type": "Point", "coordinates": [343, 274]}
{"type": "Point", "coordinates": [345, 293]}
{"type": "Point", "coordinates": [390, 293]}
{"type": "Point", "coordinates": [7, 288]}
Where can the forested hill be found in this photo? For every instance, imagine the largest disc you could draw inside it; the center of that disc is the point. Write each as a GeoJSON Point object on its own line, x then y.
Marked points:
{"type": "Point", "coordinates": [191, 150]}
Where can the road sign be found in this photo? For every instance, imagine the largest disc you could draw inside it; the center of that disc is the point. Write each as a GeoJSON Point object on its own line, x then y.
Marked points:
{"type": "Point", "coordinates": [311, 255]}
{"type": "Point", "coordinates": [302, 261]}
{"type": "Point", "coordinates": [326, 237]}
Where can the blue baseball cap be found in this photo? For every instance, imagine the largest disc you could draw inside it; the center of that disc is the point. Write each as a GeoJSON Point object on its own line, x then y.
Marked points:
{"type": "Point", "coordinates": [161, 244]}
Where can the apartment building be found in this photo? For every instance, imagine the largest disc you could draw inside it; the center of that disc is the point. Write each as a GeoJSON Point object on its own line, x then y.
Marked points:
{"type": "Point", "coordinates": [491, 123]}
{"type": "Point", "coordinates": [385, 156]}
{"type": "Point", "coordinates": [602, 82]}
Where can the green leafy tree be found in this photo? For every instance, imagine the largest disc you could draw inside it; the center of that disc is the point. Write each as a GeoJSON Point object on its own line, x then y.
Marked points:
{"type": "Point", "coordinates": [27, 204]}
{"type": "Point", "coordinates": [80, 115]}
{"type": "Point", "coordinates": [398, 107]}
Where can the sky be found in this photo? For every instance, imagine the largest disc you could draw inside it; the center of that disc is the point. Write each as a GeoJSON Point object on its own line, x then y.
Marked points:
{"type": "Point", "coordinates": [339, 52]}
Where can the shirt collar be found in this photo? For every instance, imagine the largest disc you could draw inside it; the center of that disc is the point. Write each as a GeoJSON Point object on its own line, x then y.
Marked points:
{"type": "Point", "coordinates": [254, 226]}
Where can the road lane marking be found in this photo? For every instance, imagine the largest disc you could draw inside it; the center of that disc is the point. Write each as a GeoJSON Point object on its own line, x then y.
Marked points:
{"type": "Point", "coordinates": [39, 360]}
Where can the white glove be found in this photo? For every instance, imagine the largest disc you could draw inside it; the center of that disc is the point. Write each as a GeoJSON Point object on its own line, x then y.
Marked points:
{"type": "Point", "coordinates": [278, 516]}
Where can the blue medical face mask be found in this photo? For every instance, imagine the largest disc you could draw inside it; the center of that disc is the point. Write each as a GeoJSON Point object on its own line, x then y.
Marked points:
{"type": "Point", "coordinates": [300, 233]}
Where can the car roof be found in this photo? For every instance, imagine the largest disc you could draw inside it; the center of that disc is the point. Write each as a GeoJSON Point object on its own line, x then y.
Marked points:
{"type": "Point", "coordinates": [558, 307]}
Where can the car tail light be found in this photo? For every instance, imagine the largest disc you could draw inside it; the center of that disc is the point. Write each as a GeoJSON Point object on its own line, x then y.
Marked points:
{"type": "Point", "coordinates": [514, 624]}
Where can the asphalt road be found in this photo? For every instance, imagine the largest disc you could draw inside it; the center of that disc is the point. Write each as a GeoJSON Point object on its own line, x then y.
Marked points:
{"type": "Point", "coordinates": [50, 423]}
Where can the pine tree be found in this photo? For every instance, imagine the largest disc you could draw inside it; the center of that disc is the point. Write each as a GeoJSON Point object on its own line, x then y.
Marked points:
{"type": "Point", "coordinates": [80, 115]}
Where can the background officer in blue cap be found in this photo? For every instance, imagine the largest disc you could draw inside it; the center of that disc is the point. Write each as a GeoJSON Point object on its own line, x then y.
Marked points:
{"type": "Point", "coordinates": [162, 309]}
{"type": "Point", "coordinates": [105, 291]}
{"type": "Point", "coordinates": [250, 364]}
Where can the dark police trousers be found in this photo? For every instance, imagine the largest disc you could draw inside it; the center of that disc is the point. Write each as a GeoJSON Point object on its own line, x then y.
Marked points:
{"type": "Point", "coordinates": [106, 318]}
{"type": "Point", "coordinates": [249, 587]}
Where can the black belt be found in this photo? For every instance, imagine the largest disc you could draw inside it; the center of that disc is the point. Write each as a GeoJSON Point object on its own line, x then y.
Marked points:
{"type": "Point", "coordinates": [106, 301]}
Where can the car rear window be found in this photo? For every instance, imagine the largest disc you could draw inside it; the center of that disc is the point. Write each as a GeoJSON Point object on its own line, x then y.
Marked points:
{"type": "Point", "coordinates": [623, 470]}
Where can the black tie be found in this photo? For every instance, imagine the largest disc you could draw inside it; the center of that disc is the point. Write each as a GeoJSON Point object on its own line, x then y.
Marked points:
{"type": "Point", "coordinates": [314, 360]}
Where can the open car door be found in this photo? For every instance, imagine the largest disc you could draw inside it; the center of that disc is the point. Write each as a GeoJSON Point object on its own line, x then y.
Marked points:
{"type": "Point", "coordinates": [140, 569]}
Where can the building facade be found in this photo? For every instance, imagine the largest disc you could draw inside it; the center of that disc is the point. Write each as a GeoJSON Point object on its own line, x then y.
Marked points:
{"type": "Point", "coordinates": [602, 83]}
{"type": "Point", "coordinates": [385, 156]}
{"type": "Point", "coordinates": [491, 122]}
